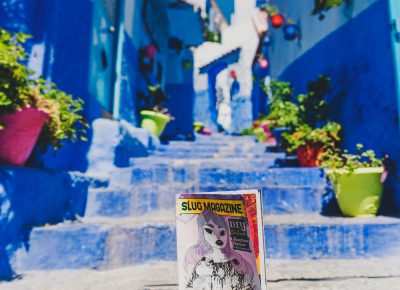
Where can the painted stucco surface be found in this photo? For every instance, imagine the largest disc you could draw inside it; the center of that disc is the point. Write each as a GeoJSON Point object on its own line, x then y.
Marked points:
{"type": "Point", "coordinates": [31, 197]}
{"type": "Point", "coordinates": [312, 30]}
{"type": "Point", "coordinates": [357, 56]}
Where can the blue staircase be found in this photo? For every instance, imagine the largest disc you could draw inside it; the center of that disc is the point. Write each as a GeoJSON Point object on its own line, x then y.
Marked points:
{"type": "Point", "coordinates": [131, 218]}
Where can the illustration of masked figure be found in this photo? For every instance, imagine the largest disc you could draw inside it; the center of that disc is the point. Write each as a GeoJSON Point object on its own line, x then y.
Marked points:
{"type": "Point", "coordinates": [212, 264]}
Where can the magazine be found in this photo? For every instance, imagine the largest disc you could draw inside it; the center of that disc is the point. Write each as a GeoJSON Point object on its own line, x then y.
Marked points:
{"type": "Point", "coordinates": [220, 241]}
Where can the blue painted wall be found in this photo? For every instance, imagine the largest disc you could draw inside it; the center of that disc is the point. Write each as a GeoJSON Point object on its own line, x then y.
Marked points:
{"type": "Point", "coordinates": [130, 82]}
{"type": "Point", "coordinates": [227, 8]}
{"type": "Point", "coordinates": [357, 55]}
{"type": "Point", "coordinates": [180, 105]}
{"type": "Point", "coordinates": [63, 29]}
{"type": "Point", "coordinates": [18, 16]}
{"type": "Point", "coordinates": [30, 197]}
{"type": "Point", "coordinates": [67, 64]}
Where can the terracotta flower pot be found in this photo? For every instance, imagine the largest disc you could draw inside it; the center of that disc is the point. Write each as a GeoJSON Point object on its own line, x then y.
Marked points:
{"type": "Point", "coordinates": [308, 155]}
{"type": "Point", "coordinates": [20, 134]}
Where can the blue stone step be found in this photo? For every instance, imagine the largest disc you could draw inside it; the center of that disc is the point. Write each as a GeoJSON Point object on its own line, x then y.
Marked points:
{"type": "Point", "coordinates": [208, 155]}
{"type": "Point", "coordinates": [318, 237]}
{"type": "Point", "coordinates": [194, 147]}
{"type": "Point", "coordinates": [112, 243]}
{"type": "Point", "coordinates": [178, 144]}
{"type": "Point", "coordinates": [265, 160]}
{"type": "Point", "coordinates": [139, 200]}
{"type": "Point", "coordinates": [232, 173]}
{"type": "Point", "coordinates": [33, 197]}
{"type": "Point", "coordinates": [97, 244]}
{"type": "Point", "coordinates": [219, 138]}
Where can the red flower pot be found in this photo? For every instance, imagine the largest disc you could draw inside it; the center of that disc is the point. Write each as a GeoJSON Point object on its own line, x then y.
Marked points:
{"type": "Point", "coordinates": [151, 51]}
{"type": "Point", "coordinates": [20, 134]}
{"type": "Point", "coordinates": [277, 20]}
{"type": "Point", "coordinates": [308, 155]}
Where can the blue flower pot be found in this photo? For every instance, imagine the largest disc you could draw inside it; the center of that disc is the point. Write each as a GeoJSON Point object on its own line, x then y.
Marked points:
{"type": "Point", "coordinates": [290, 31]}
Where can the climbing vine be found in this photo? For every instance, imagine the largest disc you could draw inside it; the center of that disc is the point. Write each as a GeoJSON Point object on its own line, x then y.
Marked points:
{"type": "Point", "coordinates": [322, 6]}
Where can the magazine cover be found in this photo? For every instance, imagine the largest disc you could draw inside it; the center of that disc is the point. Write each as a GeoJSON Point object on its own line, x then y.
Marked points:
{"type": "Point", "coordinates": [220, 241]}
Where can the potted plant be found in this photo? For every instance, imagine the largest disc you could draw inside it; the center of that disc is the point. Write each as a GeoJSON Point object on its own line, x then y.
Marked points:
{"type": "Point", "coordinates": [154, 118]}
{"type": "Point", "coordinates": [322, 6]}
{"type": "Point", "coordinates": [356, 180]}
{"type": "Point", "coordinates": [213, 36]}
{"type": "Point", "coordinates": [313, 109]}
{"type": "Point", "coordinates": [283, 117]}
{"type": "Point", "coordinates": [32, 111]}
{"type": "Point", "coordinates": [283, 113]}
{"type": "Point", "coordinates": [262, 129]}
{"type": "Point", "coordinates": [309, 143]}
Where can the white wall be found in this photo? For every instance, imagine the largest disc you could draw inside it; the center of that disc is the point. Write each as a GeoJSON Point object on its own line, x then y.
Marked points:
{"type": "Point", "coordinates": [244, 10]}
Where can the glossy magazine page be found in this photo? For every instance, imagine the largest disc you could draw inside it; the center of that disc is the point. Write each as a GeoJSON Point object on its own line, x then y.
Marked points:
{"type": "Point", "coordinates": [220, 240]}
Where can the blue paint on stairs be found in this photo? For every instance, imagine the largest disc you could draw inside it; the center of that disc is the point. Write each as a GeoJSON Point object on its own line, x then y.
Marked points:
{"type": "Point", "coordinates": [129, 216]}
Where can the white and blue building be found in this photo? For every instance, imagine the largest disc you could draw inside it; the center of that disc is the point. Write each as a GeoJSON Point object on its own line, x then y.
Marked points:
{"type": "Point", "coordinates": [98, 50]}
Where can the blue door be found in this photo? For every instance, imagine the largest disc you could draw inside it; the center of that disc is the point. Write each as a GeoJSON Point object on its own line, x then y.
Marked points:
{"type": "Point", "coordinates": [104, 41]}
{"type": "Point", "coordinates": [395, 23]}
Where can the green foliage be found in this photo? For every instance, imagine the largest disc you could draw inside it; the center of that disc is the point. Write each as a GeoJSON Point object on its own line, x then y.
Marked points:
{"type": "Point", "coordinates": [14, 76]}
{"type": "Point", "coordinates": [270, 9]}
{"type": "Point", "coordinates": [260, 129]}
{"type": "Point", "coordinates": [17, 91]}
{"type": "Point", "coordinates": [322, 6]}
{"type": "Point", "coordinates": [338, 162]}
{"type": "Point", "coordinates": [282, 111]}
{"type": "Point", "coordinates": [279, 91]}
{"type": "Point", "coordinates": [284, 114]}
{"type": "Point", "coordinates": [312, 106]}
{"type": "Point", "coordinates": [157, 95]}
{"type": "Point", "coordinates": [248, 132]}
{"type": "Point", "coordinates": [327, 137]}
{"type": "Point", "coordinates": [304, 117]}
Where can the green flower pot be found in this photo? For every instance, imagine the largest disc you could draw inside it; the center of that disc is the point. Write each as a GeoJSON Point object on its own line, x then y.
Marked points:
{"type": "Point", "coordinates": [154, 122]}
{"type": "Point", "coordinates": [359, 193]}
{"type": "Point", "coordinates": [198, 126]}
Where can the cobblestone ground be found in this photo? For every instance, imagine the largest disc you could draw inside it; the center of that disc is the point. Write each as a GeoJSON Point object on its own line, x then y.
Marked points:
{"type": "Point", "coordinates": [372, 274]}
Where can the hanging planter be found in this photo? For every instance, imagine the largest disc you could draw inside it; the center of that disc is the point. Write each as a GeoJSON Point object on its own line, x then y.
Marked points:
{"type": "Point", "coordinates": [277, 20]}
{"type": "Point", "coordinates": [186, 64]}
{"type": "Point", "coordinates": [291, 31]}
{"type": "Point", "coordinates": [267, 40]}
{"type": "Point", "coordinates": [150, 51]}
{"type": "Point", "coordinates": [260, 68]}
{"type": "Point", "coordinates": [20, 133]}
{"type": "Point", "coordinates": [322, 6]}
{"type": "Point", "coordinates": [145, 60]}
{"type": "Point", "coordinates": [213, 36]}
